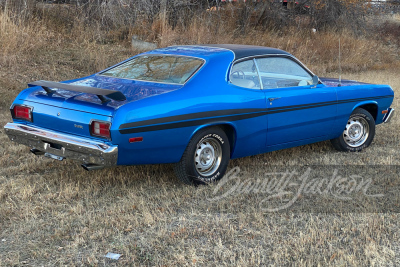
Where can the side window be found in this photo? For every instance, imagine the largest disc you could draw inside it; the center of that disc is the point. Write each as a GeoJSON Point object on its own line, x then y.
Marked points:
{"type": "Point", "coordinates": [279, 72]}
{"type": "Point", "coordinates": [244, 74]}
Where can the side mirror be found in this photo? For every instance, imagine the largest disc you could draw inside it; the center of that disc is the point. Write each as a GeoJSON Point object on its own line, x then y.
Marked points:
{"type": "Point", "coordinates": [315, 81]}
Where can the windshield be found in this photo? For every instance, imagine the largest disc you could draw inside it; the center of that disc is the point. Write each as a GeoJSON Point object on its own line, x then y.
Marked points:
{"type": "Point", "coordinates": [157, 68]}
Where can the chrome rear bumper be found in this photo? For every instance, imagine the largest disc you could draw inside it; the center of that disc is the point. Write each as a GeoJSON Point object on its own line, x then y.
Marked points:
{"type": "Point", "coordinates": [62, 145]}
{"type": "Point", "coordinates": [388, 116]}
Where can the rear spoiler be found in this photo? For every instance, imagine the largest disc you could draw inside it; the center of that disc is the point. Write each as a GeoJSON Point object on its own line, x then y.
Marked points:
{"type": "Point", "coordinates": [112, 94]}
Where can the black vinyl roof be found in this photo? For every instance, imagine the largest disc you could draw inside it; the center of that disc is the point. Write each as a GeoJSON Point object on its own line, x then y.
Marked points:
{"type": "Point", "coordinates": [242, 51]}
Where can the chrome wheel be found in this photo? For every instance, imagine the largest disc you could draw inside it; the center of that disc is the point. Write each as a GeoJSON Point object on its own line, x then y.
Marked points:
{"type": "Point", "coordinates": [356, 131]}
{"type": "Point", "coordinates": [207, 156]}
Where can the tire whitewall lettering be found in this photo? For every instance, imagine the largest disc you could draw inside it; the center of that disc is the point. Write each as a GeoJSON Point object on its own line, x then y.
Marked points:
{"type": "Point", "coordinates": [206, 157]}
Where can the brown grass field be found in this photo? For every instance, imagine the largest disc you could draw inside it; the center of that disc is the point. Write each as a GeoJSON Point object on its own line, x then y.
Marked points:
{"type": "Point", "coordinates": [56, 214]}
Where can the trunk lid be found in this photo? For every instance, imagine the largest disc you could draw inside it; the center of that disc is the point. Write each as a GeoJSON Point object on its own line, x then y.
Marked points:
{"type": "Point", "coordinates": [72, 112]}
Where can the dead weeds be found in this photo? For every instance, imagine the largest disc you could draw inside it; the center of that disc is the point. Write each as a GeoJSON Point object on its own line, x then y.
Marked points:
{"type": "Point", "coordinates": [55, 213]}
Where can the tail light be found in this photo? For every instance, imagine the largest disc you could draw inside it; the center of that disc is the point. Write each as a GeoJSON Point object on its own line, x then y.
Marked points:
{"type": "Point", "coordinates": [22, 113]}
{"type": "Point", "coordinates": [100, 129]}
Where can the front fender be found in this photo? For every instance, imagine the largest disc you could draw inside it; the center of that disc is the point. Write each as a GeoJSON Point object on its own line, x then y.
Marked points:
{"type": "Point", "coordinates": [365, 103]}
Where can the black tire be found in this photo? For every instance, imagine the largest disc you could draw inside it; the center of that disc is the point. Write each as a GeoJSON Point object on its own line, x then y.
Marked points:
{"type": "Point", "coordinates": [358, 133]}
{"type": "Point", "coordinates": [206, 157]}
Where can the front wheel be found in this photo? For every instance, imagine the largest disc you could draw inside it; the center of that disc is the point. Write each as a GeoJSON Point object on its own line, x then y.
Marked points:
{"type": "Point", "coordinates": [206, 157]}
{"type": "Point", "coordinates": [358, 133]}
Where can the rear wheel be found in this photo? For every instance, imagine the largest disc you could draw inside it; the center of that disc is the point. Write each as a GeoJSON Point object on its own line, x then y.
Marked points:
{"type": "Point", "coordinates": [206, 157]}
{"type": "Point", "coordinates": [358, 133]}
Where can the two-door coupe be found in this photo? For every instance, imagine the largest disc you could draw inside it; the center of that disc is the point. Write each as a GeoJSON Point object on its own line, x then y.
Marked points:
{"type": "Point", "coordinates": [196, 106]}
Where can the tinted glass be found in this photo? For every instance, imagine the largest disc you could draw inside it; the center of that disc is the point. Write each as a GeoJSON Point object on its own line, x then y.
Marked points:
{"type": "Point", "coordinates": [278, 72]}
{"type": "Point", "coordinates": [167, 69]}
{"type": "Point", "coordinates": [244, 74]}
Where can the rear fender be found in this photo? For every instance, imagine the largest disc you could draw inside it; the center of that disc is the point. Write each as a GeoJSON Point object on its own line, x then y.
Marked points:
{"type": "Point", "coordinates": [228, 127]}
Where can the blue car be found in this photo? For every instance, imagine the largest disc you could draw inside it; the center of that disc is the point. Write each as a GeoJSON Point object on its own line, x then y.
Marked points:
{"type": "Point", "coordinates": [196, 106]}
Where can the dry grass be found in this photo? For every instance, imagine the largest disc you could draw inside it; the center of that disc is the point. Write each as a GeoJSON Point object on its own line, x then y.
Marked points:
{"type": "Point", "coordinates": [55, 213]}
{"type": "Point", "coordinates": [314, 49]}
{"type": "Point", "coordinates": [17, 39]}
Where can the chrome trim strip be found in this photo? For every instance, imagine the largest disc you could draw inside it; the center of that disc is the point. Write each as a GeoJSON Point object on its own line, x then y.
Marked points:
{"type": "Point", "coordinates": [74, 147]}
{"type": "Point", "coordinates": [277, 55]}
{"type": "Point", "coordinates": [388, 116]}
{"type": "Point", "coordinates": [291, 57]}
{"type": "Point", "coordinates": [234, 55]}
{"type": "Point", "coordinates": [258, 73]}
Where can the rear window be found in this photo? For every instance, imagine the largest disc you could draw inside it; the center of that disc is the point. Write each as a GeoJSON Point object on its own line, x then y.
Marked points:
{"type": "Point", "coordinates": [157, 68]}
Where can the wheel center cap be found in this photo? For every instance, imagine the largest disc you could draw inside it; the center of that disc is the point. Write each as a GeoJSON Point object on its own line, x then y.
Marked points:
{"type": "Point", "coordinates": [355, 131]}
{"type": "Point", "coordinates": [206, 156]}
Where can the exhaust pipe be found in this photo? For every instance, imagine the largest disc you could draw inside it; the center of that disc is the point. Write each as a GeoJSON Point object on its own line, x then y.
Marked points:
{"type": "Point", "coordinates": [91, 167]}
{"type": "Point", "coordinates": [37, 152]}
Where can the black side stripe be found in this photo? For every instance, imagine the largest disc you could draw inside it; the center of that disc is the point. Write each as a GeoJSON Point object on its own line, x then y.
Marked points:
{"type": "Point", "coordinates": [328, 103]}
{"type": "Point", "coordinates": [175, 125]}
{"type": "Point", "coordinates": [193, 119]}
{"type": "Point", "coordinates": [191, 116]}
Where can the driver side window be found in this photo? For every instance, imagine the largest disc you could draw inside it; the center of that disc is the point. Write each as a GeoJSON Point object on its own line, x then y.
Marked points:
{"type": "Point", "coordinates": [281, 72]}
{"type": "Point", "coordinates": [244, 74]}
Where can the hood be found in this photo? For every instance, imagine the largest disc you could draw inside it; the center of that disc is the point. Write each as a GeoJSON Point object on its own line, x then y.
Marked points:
{"type": "Point", "coordinates": [333, 82]}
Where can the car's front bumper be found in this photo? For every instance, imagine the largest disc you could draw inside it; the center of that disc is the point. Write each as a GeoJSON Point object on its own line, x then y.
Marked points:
{"type": "Point", "coordinates": [60, 145]}
{"type": "Point", "coordinates": [388, 116]}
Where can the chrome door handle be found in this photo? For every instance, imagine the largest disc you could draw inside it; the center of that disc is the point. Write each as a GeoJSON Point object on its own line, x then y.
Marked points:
{"type": "Point", "coordinates": [273, 98]}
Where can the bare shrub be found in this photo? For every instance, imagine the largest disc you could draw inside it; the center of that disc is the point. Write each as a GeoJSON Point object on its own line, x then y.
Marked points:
{"type": "Point", "coordinates": [338, 14]}
{"type": "Point", "coordinates": [22, 10]}
{"type": "Point", "coordinates": [86, 24]}
{"type": "Point", "coordinates": [390, 32]}
{"type": "Point", "coordinates": [114, 14]}
{"type": "Point", "coordinates": [18, 39]}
